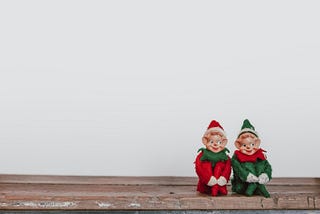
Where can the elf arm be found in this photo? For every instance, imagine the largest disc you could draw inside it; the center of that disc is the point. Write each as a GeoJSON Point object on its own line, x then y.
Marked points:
{"type": "Point", "coordinates": [266, 168]}
{"type": "Point", "coordinates": [238, 169]}
{"type": "Point", "coordinates": [203, 169]}
{"type": "Point", "coordinates": [264, 172]}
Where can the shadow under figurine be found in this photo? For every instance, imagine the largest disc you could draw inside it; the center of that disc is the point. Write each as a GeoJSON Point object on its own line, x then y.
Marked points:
{"type": "Point", "coordinates": [251, 170]}
{"type": "Point", "coordinates": [213, 165]}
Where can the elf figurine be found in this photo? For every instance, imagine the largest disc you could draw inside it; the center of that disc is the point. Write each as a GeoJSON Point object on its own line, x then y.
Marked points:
{"type": "Point", "coordinates": [251, 170]}
{"type": "Point", "coordinates": [213, 165]}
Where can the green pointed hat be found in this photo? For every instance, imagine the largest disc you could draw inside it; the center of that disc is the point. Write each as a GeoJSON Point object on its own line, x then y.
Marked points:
{"type": "Point", "coordinates": [247, 127]}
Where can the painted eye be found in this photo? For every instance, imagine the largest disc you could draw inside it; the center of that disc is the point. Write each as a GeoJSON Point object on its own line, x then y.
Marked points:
{"type": "Point", "coordinates": [243, 145]}
{"type": "Point", "coordinates": [211, 141]}
{"type": "Point", "coordinates": [219, 143]}
{"type": "Point", "coordinates": [252, 144]}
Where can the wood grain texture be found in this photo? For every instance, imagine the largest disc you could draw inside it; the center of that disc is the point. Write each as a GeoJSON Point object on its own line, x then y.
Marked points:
{"type": "Point", "coordinates": [35, 192]}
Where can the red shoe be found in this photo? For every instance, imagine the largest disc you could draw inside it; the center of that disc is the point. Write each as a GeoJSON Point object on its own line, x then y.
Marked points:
{"type": "Point", "coordinates": [214, 190]}
{"type": "Point", "coordinates": [223, 190]}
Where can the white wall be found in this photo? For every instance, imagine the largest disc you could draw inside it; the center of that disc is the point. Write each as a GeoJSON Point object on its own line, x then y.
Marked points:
{"type": "Point", "coordinates": [129, 87]}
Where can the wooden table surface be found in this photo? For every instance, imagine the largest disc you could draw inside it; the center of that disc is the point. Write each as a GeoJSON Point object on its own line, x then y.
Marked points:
{"type": "Point", "coordinates": [35, 192]}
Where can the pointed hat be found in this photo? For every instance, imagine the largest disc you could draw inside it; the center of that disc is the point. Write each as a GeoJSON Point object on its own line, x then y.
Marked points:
{"type": "Point", "coordinates": [215, 126]}
{"type": "Point", "coordinates": [247, 127]}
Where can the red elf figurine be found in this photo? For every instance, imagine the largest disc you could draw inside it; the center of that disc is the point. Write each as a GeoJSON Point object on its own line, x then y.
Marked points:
{"type": "Point", "coordinates": [213, 165]}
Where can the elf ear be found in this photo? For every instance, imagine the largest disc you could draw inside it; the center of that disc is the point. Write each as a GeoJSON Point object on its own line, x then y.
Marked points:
{"type": "Point", "coordinates": [237, 144]}
{"type": "Point", "coordinates": [257, 141]}
{"type": "Point", "coordinates": [205, 140]}
{"type": "Point", "coordinates": [224, 141]}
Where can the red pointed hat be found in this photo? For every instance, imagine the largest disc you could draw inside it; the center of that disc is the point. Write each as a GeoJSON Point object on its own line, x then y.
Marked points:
{"type": "Point", "coordinates": [215, 126]}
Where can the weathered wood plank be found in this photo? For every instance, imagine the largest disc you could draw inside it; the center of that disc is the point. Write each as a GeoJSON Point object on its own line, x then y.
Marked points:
{"type": "Point", "coordinates": [49, 190]}
{"type": "Point", "coordinates": [132, 180]}
{"type": "Point", "coordinates": [110, 180]}
{"type": "Point", "coordinates": [24, 192]}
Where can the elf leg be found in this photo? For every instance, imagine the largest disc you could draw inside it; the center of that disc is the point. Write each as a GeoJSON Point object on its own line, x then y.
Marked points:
{"type": "Point", "coordinates": [251, 188]}
{"type": "Point", "coordinates": [262, 189]}
{"type": "Point", "coordinates": [214, 190]}
{"type": "Point", "coordinates": [216, 173]}
{"type": "Point", "coordinates": [223, 190]}
{"type": "Point", "coordinates": [217, 169]}
{"type": "Point", "coordinates": [203, 188]}
{"type": "Point", "coordinates": [238, 186]}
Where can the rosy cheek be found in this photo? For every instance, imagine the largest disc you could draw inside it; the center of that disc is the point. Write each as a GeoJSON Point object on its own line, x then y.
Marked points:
{"type": "Point", "coordinates": [242, 151]}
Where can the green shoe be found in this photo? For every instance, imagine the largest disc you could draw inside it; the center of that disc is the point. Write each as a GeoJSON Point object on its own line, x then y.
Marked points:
{"type": "Point", "coordinates": [262, 189]}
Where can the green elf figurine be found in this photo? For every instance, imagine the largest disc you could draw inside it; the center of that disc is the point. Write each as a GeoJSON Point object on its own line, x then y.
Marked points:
{"type": "Point", "coordinates": [251, 170]}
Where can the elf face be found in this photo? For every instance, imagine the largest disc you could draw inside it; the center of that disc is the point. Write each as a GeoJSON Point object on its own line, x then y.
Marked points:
{"type": "Point", "coordinates": [247, 143]}
{"type": "Point", "coordinates": [214, 141]}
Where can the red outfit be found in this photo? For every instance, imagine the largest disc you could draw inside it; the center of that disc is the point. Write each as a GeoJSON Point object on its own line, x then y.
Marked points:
{"type": "Point", "coordinates": [205, 170]}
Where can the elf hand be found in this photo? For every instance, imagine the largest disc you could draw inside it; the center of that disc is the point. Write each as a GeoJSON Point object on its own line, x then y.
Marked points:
{"type": "Point", "coordinates": [263, 178]}
{"type": "Point", "coordinates": [222, 181]}
{"type": "Point", "coordinates": [251, 178]}
{"type": "Point", "coordinates": [212, 181]}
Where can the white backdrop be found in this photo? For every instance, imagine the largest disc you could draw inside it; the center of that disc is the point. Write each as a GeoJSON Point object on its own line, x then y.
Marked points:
{"type": "Point", "coordinates": [129, 87]}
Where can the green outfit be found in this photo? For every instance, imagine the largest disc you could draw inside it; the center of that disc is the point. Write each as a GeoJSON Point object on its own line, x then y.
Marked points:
{"type": "Point", "coordinates": [255, 164]}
